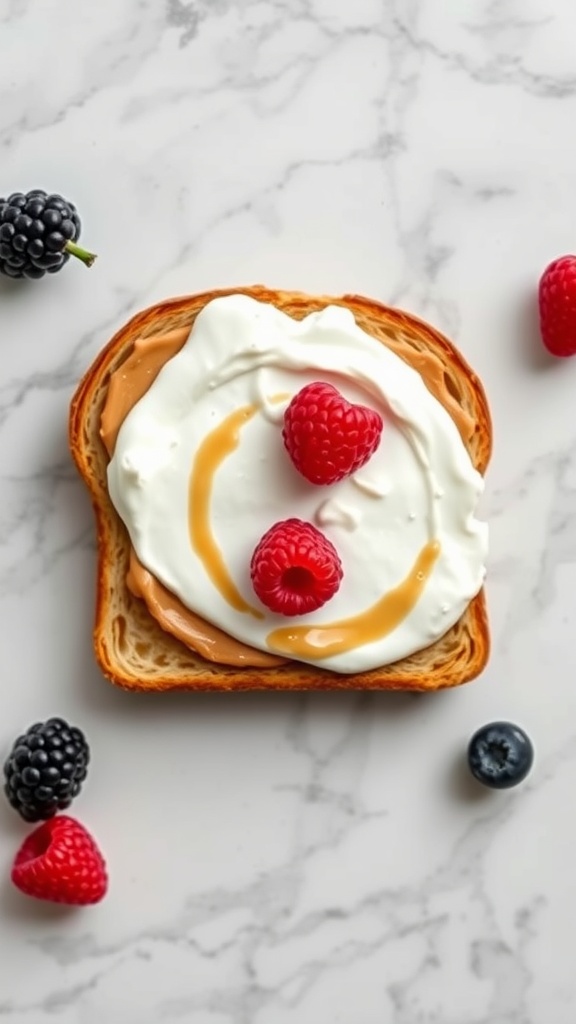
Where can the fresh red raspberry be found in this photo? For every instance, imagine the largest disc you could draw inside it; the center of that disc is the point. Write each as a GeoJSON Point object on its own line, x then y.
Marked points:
{"type": "Point", "coordinates": [60, 862]}
{"type": "Point", "coordinates": [295, 569]}
{"type": "Point", "coordinates": [327, 437]}
{"type": "Point", "coordinates": [557, 301]}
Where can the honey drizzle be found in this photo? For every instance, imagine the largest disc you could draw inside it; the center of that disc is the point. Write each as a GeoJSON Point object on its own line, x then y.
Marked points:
{"type": "Point", "coordinates": [315, 642]}
{"type": "Point", "coordinates": [215, 447]}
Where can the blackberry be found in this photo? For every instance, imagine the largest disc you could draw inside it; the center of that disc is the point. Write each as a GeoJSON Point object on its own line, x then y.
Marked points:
{"type": "Point", "coordinates": [38, 234]}
{"type": "Point", "coordinates": [45, 769]}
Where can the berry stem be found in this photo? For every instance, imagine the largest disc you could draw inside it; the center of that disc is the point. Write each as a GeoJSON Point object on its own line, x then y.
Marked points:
{"type": "Point", "coordinates": [81, 254]}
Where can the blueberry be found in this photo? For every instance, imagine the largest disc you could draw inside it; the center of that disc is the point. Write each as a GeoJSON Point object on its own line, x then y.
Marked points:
{"type": "Point", "coordinates": [500, 755]}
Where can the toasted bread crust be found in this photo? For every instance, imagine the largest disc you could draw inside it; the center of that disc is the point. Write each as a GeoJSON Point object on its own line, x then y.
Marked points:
{"type": "Point", "coordinates": [131, 648]}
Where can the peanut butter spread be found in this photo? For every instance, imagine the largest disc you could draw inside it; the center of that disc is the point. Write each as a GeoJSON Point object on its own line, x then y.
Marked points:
{"type": "Point", "coordinates": [127, 386]}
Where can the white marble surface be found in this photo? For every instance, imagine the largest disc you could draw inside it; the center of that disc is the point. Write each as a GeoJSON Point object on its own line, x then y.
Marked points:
{"type": "Point", "coordinates": [297, 859]}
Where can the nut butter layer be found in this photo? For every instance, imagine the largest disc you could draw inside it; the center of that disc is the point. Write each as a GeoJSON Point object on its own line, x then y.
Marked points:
{"type": "Point", "coordinates": [127, 385]}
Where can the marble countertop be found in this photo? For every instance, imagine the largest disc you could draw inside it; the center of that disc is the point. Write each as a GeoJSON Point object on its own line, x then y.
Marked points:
{"type": "Point", "coordinates": [297, 859]}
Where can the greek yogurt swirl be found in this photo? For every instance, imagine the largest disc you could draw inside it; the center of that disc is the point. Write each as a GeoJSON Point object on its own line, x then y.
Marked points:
{"type": "Point", "coordinates": [199, 473]}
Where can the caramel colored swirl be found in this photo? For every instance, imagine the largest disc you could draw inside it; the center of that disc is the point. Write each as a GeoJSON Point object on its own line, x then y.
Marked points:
{"type": "Point", "coordinates": [376, 622]}
{"type": "Point", "coordinates": [215, 447]}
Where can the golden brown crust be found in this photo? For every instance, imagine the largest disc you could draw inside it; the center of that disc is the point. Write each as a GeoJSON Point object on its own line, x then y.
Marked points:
{"type": "Point", "coordinates": [131, 648]}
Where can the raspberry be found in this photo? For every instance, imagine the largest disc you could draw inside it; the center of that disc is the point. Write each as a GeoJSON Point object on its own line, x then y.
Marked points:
{"type": "Point", "coordinates": [557, 301]}
{"type": "Point", "coordinates": [295, 569]}
{"type": "Point", "coordinates": [327, 437]}
{"type": "Point", "coordinates": [60, 862]}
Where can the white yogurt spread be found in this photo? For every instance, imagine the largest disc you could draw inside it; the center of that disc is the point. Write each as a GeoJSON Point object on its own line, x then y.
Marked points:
{"type": "Point", "coordinates": [419, 486]}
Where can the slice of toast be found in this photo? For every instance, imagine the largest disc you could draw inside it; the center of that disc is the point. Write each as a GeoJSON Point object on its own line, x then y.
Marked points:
{"type": "Point", "coordinates": [132, 650]}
